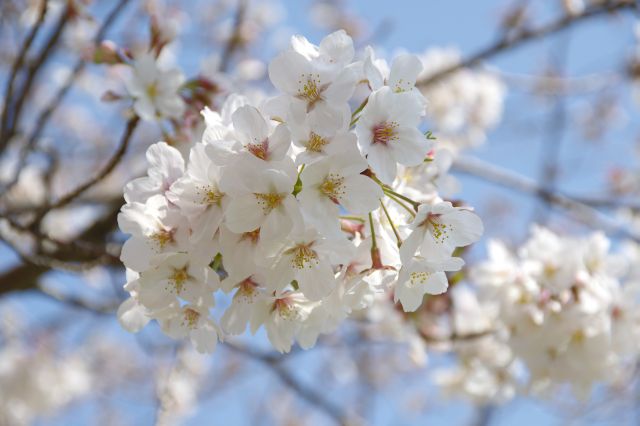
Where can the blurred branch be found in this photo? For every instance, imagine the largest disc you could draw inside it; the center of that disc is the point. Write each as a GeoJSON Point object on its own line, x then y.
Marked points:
{"type": "Point", "coordinates": [560, 85]}
{"type": "Point", "coordinates": [22, 53]}
{"type": "Point", "coordinates": [303, 391]}
{"type": "Point", "coordinates": [235, 39]}
{"type": "Point", "coordinates": [79, 303]}
{"type": "Point", "coordinates": [513, 40]}
{"type": "Point", "coordinates": [511, 180]}
{"type": "Point", "coordinates": [12, 121]}
{"type": "Point", "coordinates": [25, 276]}
{"type": "Point", "coordinates": [111, 164]}
{"type": "Point", "coordinates": [553, 136]}
{"type": "Point", "coordinates": [57, 99]}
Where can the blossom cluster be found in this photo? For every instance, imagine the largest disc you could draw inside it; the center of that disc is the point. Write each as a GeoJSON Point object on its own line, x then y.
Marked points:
{"type": "Point", "coordinates": [564, 309]}
{"type": "Point", "coordinates": [303, 206]}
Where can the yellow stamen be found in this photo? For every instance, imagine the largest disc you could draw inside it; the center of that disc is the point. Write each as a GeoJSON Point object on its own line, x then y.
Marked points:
{"type": "Point", "coordinates": [303, 256]}
{"type": "Point", "coordinates": [316, 142]}
{"type": "Point", "coordinates": [178, 279]}
{"type": "Point", "coordinates": [162, 237]}
{"type": "Point", "coordinates": [191, 317]}
{"type": "Point", "coordinates": [416, 278]}
{"type": "Point", "coordinates": [333, 187]}
{"type": "Point", "coordinates": [270, 201]}
{"type": "Point", "coordinates": [385, 132]}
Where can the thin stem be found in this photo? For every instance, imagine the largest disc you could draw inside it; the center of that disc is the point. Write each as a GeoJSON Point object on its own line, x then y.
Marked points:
{"type": "Point", "coordinates": [374, 244]}
{"type": "Point", "coordinates": [354, 119]}
{"type": "Point", "coordinates": [401, 204]}
{"type": "Point", "coordinates": [393, 226]}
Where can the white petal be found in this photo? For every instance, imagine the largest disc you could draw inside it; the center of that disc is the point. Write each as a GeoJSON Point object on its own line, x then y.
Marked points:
{"type": "Point", "coordinates": [132, 316]}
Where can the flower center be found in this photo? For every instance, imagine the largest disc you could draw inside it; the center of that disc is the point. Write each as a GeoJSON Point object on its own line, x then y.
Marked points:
{"type": "Point", "coordinates": [417, 278]}
{"type": "Point", "coordinates": [439, 230]}
{"type": "Point", "coordinates": [179, 278]}
{"type": "Point", "coordinates": [212, 195]}
{"type": "Point", "coordinates": [310, 89]}
{"type": "Point", "coordinates": [191, 317]}
{"type": "Point", "coordinates": [286, 309]}
{"type": "Point", "coordinates": [162, 237]}
{"type": "Point", "coordinates": [152, 90]}
{"type": "Point", "coordinates": [385, 132]}
{"type": "Point", "coordinates": [253, 236]}
{"type": "Point", "coordinates": [333, 187]}
{"type": "Point", "coordinates": [260, 150]}
{"type": "Point", "coordinates": [247, 290]}
{"type": "Point", "coordinates": [270, 201]}
{"type": "Point", "coordinates": [316, 142]}
{"type": "Point", "coordinates": [303, 256]}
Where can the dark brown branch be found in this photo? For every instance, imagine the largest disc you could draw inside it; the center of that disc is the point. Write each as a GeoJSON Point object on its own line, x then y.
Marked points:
{"type": "Point", "coordinates": [524, 36]}
{"type": "Point", "coordinates": [25, 276]}
{"type": "Point", "coordinates": [17, 65]}
{"type": "Point", "coordinates": [111, 164]}
{"type": "Point", "coordinates": [32, 72]}
{"type": "Point", "coordinates": [46, 113]}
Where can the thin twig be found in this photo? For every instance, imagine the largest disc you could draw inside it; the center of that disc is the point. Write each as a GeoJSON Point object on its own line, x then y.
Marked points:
{"type": "Point", "coordinates": [32, 72]}
{"type": "Point", "coordinates": [79, 303]}
{"type": "Point", "coordinates": [305, 392]}
{"type": "Point", "coordinates": [512, 41]}
{"type": "Point", "coordinates": [46, 113]}
{"type": "Point", "coordinates": [111, 164]}
{"type": "Point", "coordinates": [511, 180]}
{"type": "Point", "coordinates": [22, 53]}
{"type": "Point", "coordinates": [235, 39]}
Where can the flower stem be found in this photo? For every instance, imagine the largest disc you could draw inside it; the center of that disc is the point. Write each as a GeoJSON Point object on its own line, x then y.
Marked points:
{"type": "Point", "coordinates": [354, 119]}
{"type": "Point", "coordinates": [401, 204]}
{"type": "Point", "coordinates": [374, 245]}
{"type": "Point", "coordinates": [390, 191]}
{"type": "Point", "coordinates": [393, 226]}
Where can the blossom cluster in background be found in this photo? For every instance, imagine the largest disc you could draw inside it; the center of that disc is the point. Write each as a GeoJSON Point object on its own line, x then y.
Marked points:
{"type": "Point", "coordinates": [558, 310]}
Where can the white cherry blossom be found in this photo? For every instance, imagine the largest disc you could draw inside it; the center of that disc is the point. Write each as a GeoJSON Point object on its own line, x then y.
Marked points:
{"type": "Point", "coordinates": [155, 90]}
{"type": "Point", "coordinates": [388, 134]}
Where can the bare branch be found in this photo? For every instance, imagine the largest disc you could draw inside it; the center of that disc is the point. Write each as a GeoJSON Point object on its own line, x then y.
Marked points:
{"type": "Point", "coordinates": [111, 164]}
{"type": "Point", "coordinates": [303, 391]}
{"type": "Point", "coordinates": [25, 276]}
{"type": "Point", "coordinates": [235, 39]}
{"type": "Point", "coordinates": [22, 53]}
{"type": "Point", "coordinates": [13, 121]}
{"type": "Point", "coordinates": [511, 41]}
{"type": "Point", "coordinates": [511, 180]}
{"type": "Point", "coordinates": [46, 113]}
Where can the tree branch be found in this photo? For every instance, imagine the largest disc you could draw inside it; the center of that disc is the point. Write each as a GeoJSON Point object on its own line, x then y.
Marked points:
{"type": "Point", "coordinates": [111, 164]}
{"type": "Point", "coordinates": [512, 41]}
{"type": "Point", "coordinates": [46, 113]}
{"type": "Point", "coordinates": [305, 392]}
{"type": "Point", "coordinates": [22, 53]}
{"type": "Point", "coordinates": [13, 121]}
{"type": "Point", "coordinates": [511, 180]}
